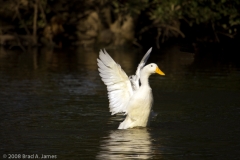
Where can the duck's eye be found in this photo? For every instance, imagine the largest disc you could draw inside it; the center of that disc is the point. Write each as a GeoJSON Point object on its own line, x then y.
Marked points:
{"type": "Point", "coordinates": [151, 65]}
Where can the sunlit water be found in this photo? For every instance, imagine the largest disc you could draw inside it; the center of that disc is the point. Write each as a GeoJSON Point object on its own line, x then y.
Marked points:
{"type": "Point", "coordinates": [54, 103]}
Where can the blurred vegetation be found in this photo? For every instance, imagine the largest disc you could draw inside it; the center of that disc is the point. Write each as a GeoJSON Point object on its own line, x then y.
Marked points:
{"type": "Point", "coordinates": [116, 22]}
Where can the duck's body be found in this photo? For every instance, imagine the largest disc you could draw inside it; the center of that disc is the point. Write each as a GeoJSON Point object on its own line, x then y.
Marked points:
{"type": "Point", "coordinates": [139, 108]}
{"type": "Point", "coordinates": [136, 101]}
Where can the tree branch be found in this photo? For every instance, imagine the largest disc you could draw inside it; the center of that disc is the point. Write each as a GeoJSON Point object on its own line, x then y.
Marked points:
{"type": "Point", "coordinates": [35, 5]}
{"type": "Point", "coordinates": [42, 12]}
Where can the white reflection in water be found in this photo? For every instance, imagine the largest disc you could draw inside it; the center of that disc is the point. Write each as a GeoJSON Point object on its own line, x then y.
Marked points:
{"type": "Point", "coordinates": [121, 144]}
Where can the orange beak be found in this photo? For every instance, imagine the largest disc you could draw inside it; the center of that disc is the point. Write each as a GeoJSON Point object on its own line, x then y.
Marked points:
{"type": "Point", "coordinates": [158, 71]}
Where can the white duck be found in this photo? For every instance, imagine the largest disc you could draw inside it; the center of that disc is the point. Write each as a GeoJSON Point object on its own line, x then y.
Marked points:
{"type": "Point", "coordinates": [125, 94]}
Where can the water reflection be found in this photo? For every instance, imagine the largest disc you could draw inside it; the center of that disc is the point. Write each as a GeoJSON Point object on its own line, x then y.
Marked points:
{"type": "Point", "coordinates": [122, 144]}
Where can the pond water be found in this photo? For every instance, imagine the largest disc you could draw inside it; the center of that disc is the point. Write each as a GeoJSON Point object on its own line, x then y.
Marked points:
{"type": "Point", "coordinates": [54, 103]}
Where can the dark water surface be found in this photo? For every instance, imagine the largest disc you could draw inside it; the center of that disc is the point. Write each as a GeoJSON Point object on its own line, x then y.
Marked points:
{"type": "Point", "coordinates": [54, 103]}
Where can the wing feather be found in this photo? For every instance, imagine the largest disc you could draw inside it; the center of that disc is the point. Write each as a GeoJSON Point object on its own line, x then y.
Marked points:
{"type": "Point", "coordinates": [117, 82]}
{"type": "Point", "coordinates": [135, 79]}
{"type": "Point", "coordinates": [143, 62]}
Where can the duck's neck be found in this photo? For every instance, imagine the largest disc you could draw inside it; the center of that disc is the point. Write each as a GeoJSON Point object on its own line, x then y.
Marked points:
{"type": "Point", "coordinates": [144, 78]}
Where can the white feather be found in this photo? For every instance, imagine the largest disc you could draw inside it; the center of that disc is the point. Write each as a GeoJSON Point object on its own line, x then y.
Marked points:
{"type": "Point", "coordinates": [117, 82]}
{"type": "Point", "coordinates": [136, 78]}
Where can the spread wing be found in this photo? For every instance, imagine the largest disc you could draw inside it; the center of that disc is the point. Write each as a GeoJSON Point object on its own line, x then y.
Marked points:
{"type": "Point", "coordinates": [135, 78]}
{"type": "Point", "coordinates": [117, 82]}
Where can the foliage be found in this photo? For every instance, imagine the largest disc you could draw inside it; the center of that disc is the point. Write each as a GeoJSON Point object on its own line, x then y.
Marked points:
{"type": "Point", "coordinates": [132, 7]}
{"type": "Point", "coordinates": [165, 18]}
{"type": "Point", "coordinates": [222, 15]}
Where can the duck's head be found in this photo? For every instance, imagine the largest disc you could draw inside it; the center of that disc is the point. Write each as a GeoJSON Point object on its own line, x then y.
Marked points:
{"type": "Point", "coordinates": [153, 68]}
